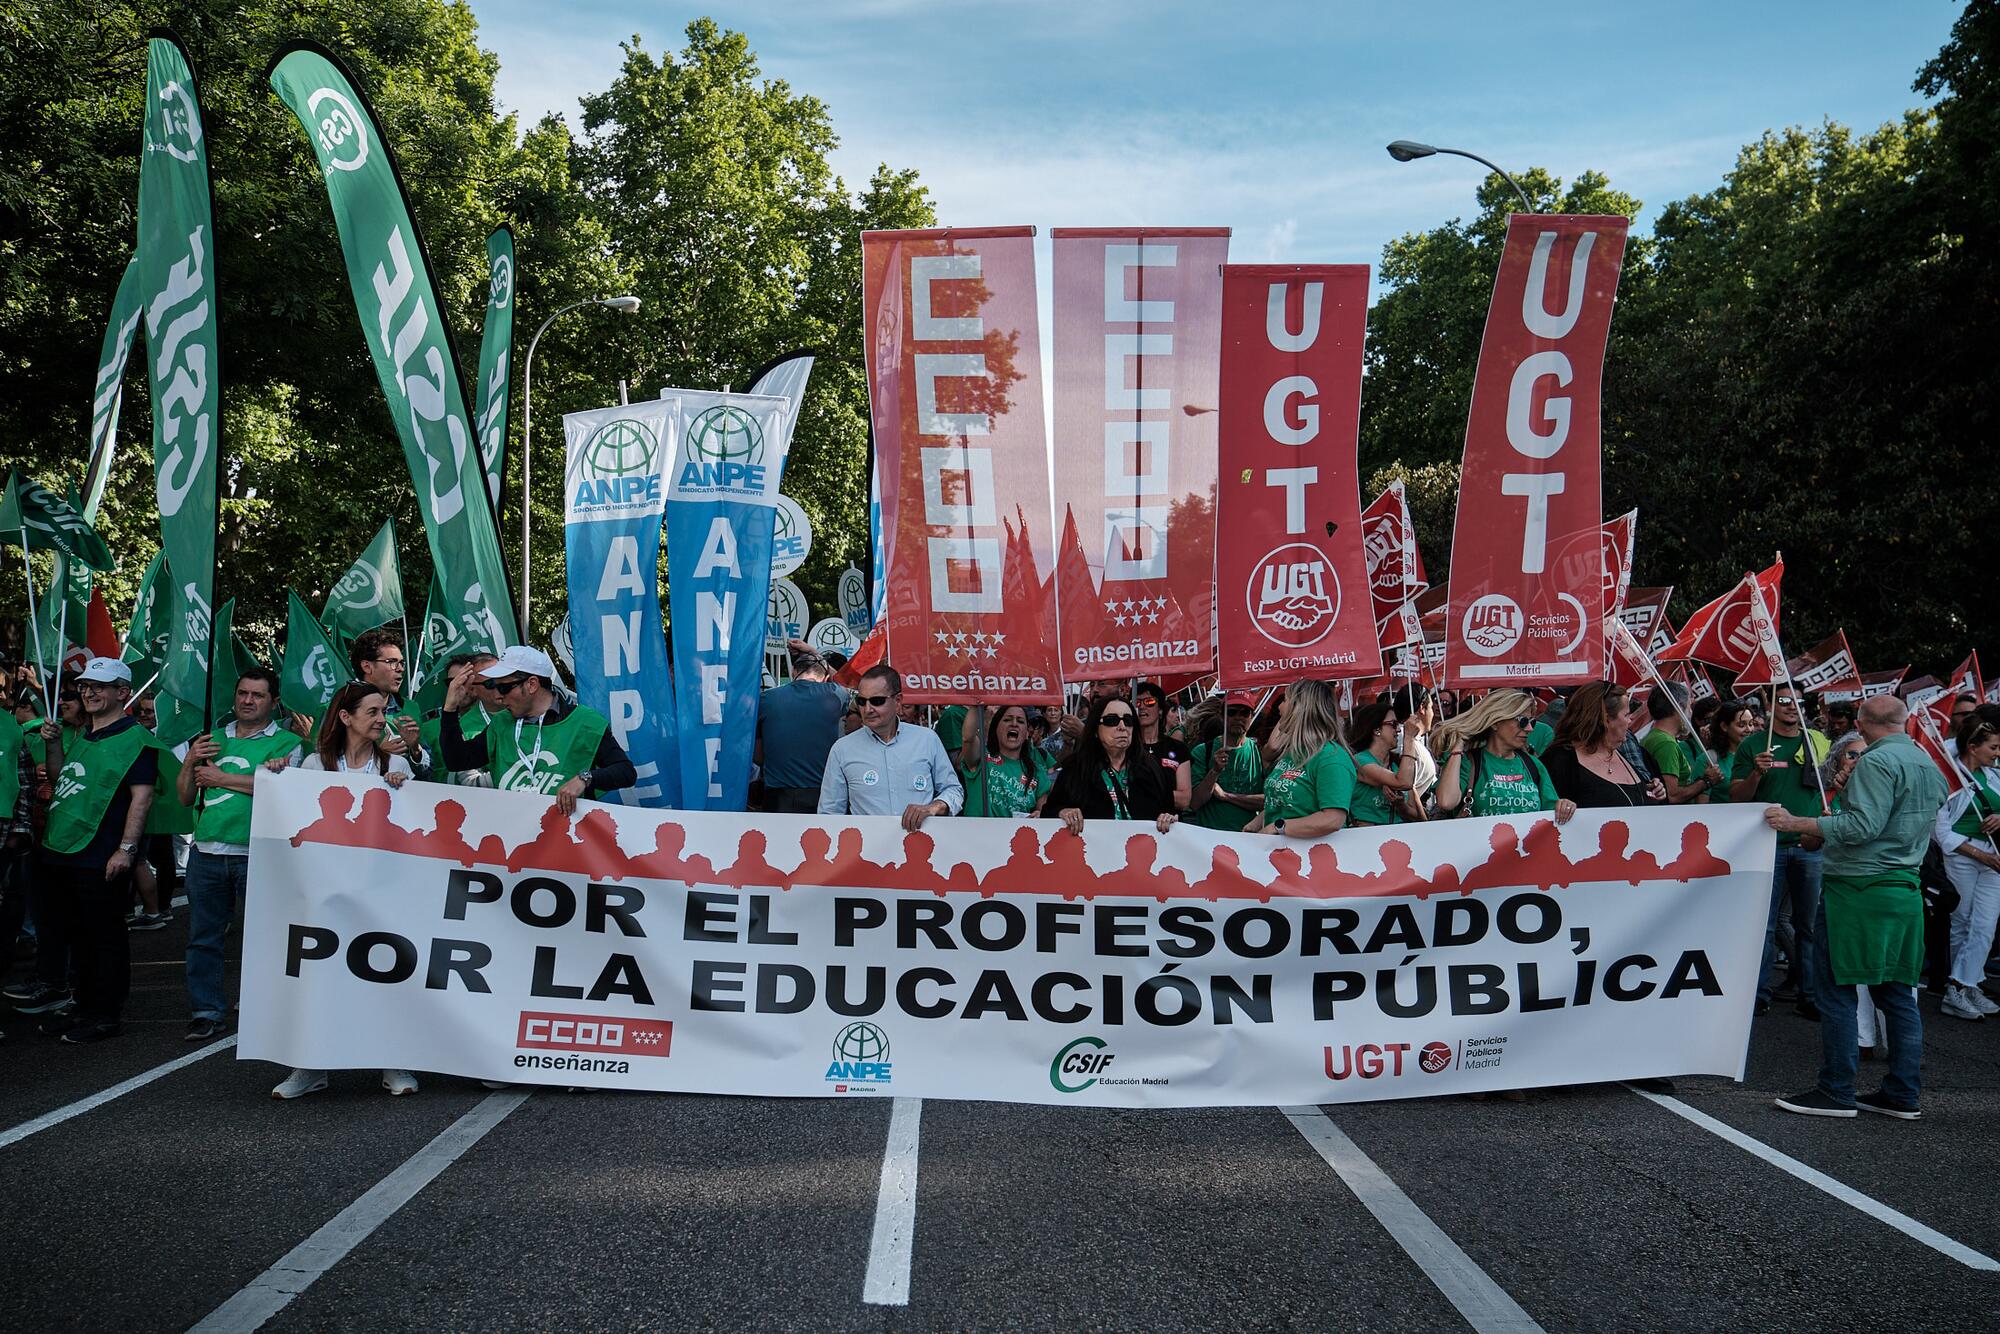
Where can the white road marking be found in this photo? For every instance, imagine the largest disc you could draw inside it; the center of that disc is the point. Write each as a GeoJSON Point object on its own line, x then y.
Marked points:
{"type": "Point", "coordinates": [1846, 1194]}
{"type": "Point", "coordinates": [1484, 1303]}
{"type": "Point", "coordinates": [82, 1105]}
{"type": "Point", "coordinates": [271, 1291]}
{"type": "Point", "coordinates": [888, 1280]}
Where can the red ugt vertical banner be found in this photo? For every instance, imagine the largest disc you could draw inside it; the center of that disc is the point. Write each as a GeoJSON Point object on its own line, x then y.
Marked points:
{"type": "Point", "coordinates": [955, 395]}
{"type": "Point", "coordinates": [1290, 572]}
{"type": "Point", "coordinates": [1529, 489]}
{"type": "Point", "coordinates": [1137, 332]}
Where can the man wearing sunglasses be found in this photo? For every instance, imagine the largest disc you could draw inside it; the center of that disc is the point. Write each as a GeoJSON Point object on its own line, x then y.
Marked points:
{"type": "Point", "coordinates": [539, 743]}
{"type": "Point", "coordinates": [886, 768]}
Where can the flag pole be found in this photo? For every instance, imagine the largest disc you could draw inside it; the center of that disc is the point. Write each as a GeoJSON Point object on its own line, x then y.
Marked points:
{"type": "Point", "coordinates": [1660, 683]}
{"type": "Point", "coordinates": [62, 637]}
{"type": "Point", "coordinates": [35, 626]}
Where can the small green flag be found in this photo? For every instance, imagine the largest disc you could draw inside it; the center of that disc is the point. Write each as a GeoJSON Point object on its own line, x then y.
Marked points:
{"type": "Point", "coordinates": [442, 638]}
{"type": "Point", "coordinates": [47, 522]}
{"type": "Point", "coordinates": [314, 668]}
{"type": "Point", "coordinates": [146, 634]}
{"type": "Point", "coordinates": [178, 720]}
{"type": "Point", "coordinates": [370, 593]}
{"type": "Point", "coordinates": [63, 613]}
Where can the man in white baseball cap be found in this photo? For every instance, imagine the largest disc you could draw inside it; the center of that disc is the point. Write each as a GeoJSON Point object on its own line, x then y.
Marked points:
{"type": "Point", "coordinates": [551, 746]}
{"type": "Point", "coordinates": [104, 778]}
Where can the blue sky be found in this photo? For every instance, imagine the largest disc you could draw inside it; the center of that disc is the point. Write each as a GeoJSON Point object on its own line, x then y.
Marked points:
{"type": "Point", "coordinates": [1267, 118]}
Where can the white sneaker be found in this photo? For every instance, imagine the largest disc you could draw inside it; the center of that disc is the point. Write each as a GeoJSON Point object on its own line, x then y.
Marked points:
{"type": "Point", "coordinates": [1980, 1000]}
{"type": "Point", "coordinates": [299, 1083]}
{"type": "Point", "coordinates": [399, 1082]}
{"type": "Point", "coordinates": [1959, 1005]}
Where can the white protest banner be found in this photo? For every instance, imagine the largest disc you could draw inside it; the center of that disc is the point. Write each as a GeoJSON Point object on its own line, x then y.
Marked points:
{"type": "Point", "coordinates": [486, 935]}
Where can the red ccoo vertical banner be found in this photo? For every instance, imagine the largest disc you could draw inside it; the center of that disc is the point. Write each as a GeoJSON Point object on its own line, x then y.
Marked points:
{"type": "Point", "coordinates": [1137, 332]}
{"type": "Point", "coordinates": [1291, 577]}
{"type": "Point", "coordinates": [955, 396]}
{"type": "Point", "coordinates": [1529, 488]}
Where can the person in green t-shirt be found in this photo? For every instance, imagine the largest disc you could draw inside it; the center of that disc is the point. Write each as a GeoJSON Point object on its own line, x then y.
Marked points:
{"type": "Point", "coordinates": [1666, 746]}
{"type": "Point", "coordinates": [1382, 780]}
{"type": "Point", "coordinates": [1484, 767]}
{"type": "Point", "coordinates": [1310, 784]}
{"type": "Point", "coordinates": [1004, 776]}
{"type": "Point", "coordinates": [1781, 767]}
{"type": "Point", "coordinates": [1732, 722]}
{"type": "Point", "coordinates": [217, 782]}
{"type": "Point", "coordinates": [1226, 775]}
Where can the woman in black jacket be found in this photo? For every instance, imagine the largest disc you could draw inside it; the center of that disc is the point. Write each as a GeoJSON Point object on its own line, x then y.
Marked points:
{"type": "Point", "coordinates": [1105, 776]}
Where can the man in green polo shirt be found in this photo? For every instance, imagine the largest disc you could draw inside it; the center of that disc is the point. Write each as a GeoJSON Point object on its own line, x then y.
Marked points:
{"type": "Point", "coordinates": [541, 743]}
{"type": "Point", "coordinates": [1780, 766]}
{"type": "Point", "coordinates": [103, 780]}
{"type": "Point", "coordinates": [218, 779]}
{"type": "Point", "coordinates": [1871, 918]}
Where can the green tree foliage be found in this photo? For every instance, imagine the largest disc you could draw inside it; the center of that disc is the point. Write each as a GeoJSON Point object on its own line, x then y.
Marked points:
{"type": "Point", "coordinates": [695, 184]}
{"type": "Point", "coordinates": [1801, 360]}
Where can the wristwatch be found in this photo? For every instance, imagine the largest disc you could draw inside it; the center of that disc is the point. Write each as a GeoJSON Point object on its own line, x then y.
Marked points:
{"type": "Point", "coordinates": [132, 848]}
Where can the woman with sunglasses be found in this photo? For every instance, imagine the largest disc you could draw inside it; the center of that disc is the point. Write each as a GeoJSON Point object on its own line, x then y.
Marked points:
{"type": "Point", "coordinates": [1005, 775]}
{"type": "Point", "coordinates": [1108, 775]}
{"type": "Point", "coordinates": [1383, 779]}
{"type": "Point", "coordinates": [1484, 767]}
{"type": "Point", "coordinates": [1968, 830]}
{"type": "Point", "coordinates": [349, 742]}
{"type": "Point", "coordinates": [1585, 761]}
{"type": "Point", "coordinates": [1226, 774]}
{"type": "Point", "coordinates": [1311, 781]}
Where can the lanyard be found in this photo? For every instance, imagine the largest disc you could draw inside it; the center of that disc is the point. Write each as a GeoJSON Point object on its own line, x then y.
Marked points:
{"type": "Point", "coordinates": [523, 755]}
{"type": "Point", "coordinates": [1115, 785]}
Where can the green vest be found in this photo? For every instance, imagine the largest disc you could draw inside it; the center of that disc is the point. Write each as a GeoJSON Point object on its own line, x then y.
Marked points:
{"type": "Point", "coordinates": [225, 815]}
{"type": "Point", "coordinates": [91, 775]}
{"type": "Point", "coordinates": [12, 740]}
{"type": "Point", "coordinates": [472, 723]}
{"type": "Point", "coordinates": [541, 757]}
{"type": "Point", "coordinates": [1985, 801]}
{"type": "Point", "coordinates": [167, 815]}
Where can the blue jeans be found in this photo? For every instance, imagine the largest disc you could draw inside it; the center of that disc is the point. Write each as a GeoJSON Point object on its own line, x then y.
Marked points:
{"type": "Point", "coordinates": [214, 886]}
{"type": "Point", "coordinates": [1839, 1043]}
{"type": "Point", "coordinates": [1795, 873]}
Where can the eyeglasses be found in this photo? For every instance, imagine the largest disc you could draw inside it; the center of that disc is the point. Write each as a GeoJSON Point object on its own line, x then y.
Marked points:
{"type": "Point", "coordinates": [1787, 702]}
{"type": "Point", "coordinates": [1146, 703]}
{"type": "Point", "coordinates": [1116, 720]}
{"type": "Point", "coordinates": [503, 687]}
{"type": "Point", "coordinates": [1523, 721]}
{"type": "Point", "coordinates": [875, 701]}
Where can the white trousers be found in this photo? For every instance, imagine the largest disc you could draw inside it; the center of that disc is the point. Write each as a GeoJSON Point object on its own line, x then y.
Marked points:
{"type": "Point", "coordinates": [1973, 920]}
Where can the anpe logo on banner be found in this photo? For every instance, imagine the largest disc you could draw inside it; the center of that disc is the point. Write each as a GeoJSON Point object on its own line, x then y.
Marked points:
{"type": "Point", "coordinates": [1293, 595]}
{"type": "Point", "coordinates": [618, 467]}
{"type": "Point", "coordinates": [860, 1058]}
{"type": "Point", "coordinates": [725, 452]}
{"type": "Point", "coordinates": [589, 1032]}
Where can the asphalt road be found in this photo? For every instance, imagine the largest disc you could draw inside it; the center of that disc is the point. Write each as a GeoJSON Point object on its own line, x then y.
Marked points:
{"type": "Point", "coordinates": [177, 1201]}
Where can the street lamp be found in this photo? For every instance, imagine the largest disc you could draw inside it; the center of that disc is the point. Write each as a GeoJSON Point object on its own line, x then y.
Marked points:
{"type": "Point", "coordinates": [624, 305]}
{"type": "Point", "coordinates": [1408, 150]}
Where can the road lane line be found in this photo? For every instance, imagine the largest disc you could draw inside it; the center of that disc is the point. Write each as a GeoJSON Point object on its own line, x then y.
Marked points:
{"type": "Point", "coordinates": [888, 1280]}
{"type": "Point", "coordinates": [1484, 1303]}
{"type": "Point", "coordinates": [271, 1291]}
{"type": "Point", "coordinates": [82, 1105]}
{"type": "Point", "coordinates": [1846, 1194]}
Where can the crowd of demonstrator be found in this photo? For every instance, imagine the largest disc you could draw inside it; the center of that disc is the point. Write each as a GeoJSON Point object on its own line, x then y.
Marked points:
{"type": "Point", "coordinates": [102, 818]}
{"type": "Point", "coordinates": [1881, 883]}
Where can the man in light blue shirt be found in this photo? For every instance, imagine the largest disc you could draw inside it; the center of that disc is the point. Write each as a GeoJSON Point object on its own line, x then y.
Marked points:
{"type": "Point", "coordinates": [885, 768]}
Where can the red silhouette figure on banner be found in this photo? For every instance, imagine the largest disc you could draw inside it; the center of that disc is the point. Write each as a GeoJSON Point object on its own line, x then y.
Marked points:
{"type": "Point", "coordinates": [1612, 862]}
{"type": "Point", "coordinates": [590, 847]}
{"type": "Point", "coordinates": [1225, 878]}
{"type": "Point", "coordinates": [1696, 862]}
{"type": "Point", "coordinates": [1139, 877]}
